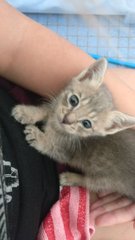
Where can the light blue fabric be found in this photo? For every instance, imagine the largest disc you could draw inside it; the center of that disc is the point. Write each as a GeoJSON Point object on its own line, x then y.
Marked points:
{"type": "Point", "coordinates": [123, 7]}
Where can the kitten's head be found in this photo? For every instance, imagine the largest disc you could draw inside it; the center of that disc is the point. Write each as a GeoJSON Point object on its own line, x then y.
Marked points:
{"type": "Point", "coordinates": [85, 107]}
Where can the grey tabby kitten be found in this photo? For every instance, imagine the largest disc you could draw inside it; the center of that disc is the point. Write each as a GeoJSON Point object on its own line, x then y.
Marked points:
{"type": "Point", "coordinates": [84, 131]}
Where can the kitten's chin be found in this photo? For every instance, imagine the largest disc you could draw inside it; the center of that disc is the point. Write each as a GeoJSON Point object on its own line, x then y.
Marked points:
{"type": "Point", "coordinates": [68, 129]}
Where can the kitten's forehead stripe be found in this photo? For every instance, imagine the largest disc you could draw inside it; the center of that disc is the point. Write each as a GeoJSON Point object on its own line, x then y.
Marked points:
{"type": "Point", "coordinates": [84, 100]}
{"type": "Point", "coordinates": [92, 114]}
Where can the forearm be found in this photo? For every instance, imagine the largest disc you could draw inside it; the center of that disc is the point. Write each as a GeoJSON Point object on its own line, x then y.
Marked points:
{"type": "Point", "coordinates": [34, 56]}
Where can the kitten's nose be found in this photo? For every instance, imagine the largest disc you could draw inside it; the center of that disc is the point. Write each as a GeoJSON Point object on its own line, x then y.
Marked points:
{"type": "Point", "coordinates": [68, 118]}
{"type": "Point", "coordinates": [65, 120]}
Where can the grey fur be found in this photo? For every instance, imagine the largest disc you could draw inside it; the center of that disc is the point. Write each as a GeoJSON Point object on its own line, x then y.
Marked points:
{"type": "Point", "coordinates": [104, 153]}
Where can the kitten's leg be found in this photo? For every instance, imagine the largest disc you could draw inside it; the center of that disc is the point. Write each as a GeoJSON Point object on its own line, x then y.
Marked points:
{"type": "Point", "coordinates": [73, 179]}
{"type": "Point", "coordinates": [45, 142]}
{"type": "Point", "coordinates": [27, 114]}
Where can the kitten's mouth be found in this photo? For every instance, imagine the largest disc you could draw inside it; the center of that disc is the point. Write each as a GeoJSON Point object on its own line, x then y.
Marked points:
{"type": "Point", "coordinates": [64, 119]}
{"type": "Point", "coordinates": [61, 120]}
{"type": "Point", "coordinates": [65, 124]}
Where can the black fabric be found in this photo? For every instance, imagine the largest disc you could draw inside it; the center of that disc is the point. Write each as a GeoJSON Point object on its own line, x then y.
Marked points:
{"type": "Point", "coordinates": [38, 179]}
{"type": "Point", "coordinates": [3, 202]}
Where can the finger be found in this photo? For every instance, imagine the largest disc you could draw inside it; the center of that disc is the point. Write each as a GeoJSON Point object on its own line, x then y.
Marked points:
{"type": "Point", "coordinates": [106, 199]}
{"type": "Point", "coordinates": [111, 206]}
{"type": "Point", "coordinates": [117, 216]}
{"type": "Point", "coordinates": [103, 194]}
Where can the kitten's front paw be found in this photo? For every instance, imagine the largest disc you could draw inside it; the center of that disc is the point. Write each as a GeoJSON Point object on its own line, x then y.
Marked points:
{"type": "Point", "coordinates": [31, 135]}
{"type": "Point", "coordinates": [21, 114]}
{"type": "Point", "coordinates": [65, 179]}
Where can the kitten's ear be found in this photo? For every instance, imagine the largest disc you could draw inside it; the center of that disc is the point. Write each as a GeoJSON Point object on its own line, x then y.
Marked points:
{"type": "Point", "coordinates": [118, 121]}
{"type": "Point", "coordinates": [94, 73]}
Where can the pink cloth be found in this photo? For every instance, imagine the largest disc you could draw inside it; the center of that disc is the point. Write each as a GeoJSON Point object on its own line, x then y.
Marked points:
{"type": "Point", "coordinates": [69, 218]}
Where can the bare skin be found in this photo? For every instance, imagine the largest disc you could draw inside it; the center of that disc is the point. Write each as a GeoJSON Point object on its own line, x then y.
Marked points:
{"type": "Point", "coordinates": [34, 57]}
{"type": "Point", "coordinates": [44, 62]}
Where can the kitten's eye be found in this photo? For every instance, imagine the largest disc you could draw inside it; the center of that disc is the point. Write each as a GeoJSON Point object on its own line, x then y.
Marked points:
{"type": "Point", "coordinates": [87, 123]}
{"type": "Point", "coordinates": [74, 100]}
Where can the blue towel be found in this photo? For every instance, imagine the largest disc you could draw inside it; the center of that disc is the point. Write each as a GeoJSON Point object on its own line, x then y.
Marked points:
{"type": "Point", "coordinates": [73, 6]}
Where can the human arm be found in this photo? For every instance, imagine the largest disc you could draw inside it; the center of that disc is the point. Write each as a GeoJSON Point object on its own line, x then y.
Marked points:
{"type": "Point", "coordinates": [38, 59]}
{"type": "Point", "coordinates": [35, 57]}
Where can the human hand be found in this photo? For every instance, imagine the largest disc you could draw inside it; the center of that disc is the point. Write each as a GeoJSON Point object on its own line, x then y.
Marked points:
{"type": "Point", "coordinates": [111, 209]}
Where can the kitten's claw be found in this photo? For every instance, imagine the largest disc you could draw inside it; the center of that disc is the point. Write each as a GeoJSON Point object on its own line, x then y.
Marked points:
{"type": "Point", "coordinates": [20, 113]}
{"type": "Point", "coordinates": [31, 135]}
{"type": "Point", "coordinates": [65, 179]}
{"type": "Point", "coordinates": [72, 179]}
